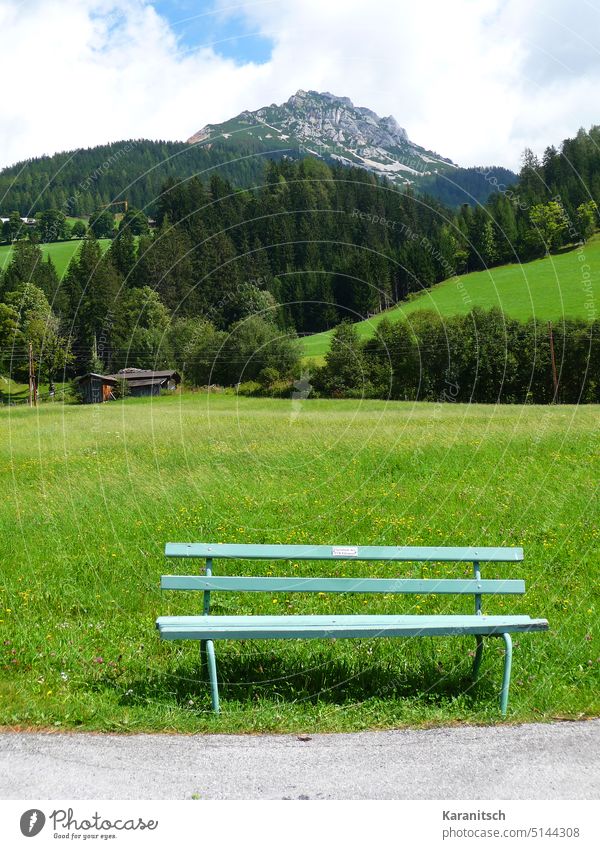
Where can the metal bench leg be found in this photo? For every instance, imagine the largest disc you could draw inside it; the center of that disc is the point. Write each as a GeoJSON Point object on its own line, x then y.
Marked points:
{"type": "Point", "coordinates": [478, 655]}
{"type": "Point", "coordinates": [212, 674]}
{"type": "Point", "coordinates": [506, 675]}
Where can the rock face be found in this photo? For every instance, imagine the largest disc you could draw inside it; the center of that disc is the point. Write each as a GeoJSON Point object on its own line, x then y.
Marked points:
{"type": "Point", "coordinates": [332, 128]}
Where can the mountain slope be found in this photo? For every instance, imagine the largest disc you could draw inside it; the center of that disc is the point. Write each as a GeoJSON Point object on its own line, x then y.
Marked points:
{"type": "Point", "coordinates": [330, 127]}
{"type": "Point", "coordinates": [79, 181]}
{"type": "Point", "coordinates": [549, 288]}
{"type": "Point", "coordinates": [467, 185]}
{"type": "Point", "coordinates": [61, 253]}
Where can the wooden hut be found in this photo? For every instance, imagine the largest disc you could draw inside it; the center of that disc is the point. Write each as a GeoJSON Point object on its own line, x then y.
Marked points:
{"type": "Point", "coordinates": [96, 388]}
{"type": "Point", "coordinates": [146, 382]}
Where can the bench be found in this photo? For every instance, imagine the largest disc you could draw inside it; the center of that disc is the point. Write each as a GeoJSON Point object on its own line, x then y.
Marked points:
{"type": "Point", "coordinates": [208, 628]}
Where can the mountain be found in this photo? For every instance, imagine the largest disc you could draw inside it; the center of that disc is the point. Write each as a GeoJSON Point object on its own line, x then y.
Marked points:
{"type": "Point", "coordinates": [332, 128]}
{"type": "Point", "coordinates": [308, 124]}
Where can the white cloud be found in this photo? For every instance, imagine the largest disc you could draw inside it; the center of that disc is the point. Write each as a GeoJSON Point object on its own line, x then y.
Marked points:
{"type": "Point", "coordinates": [90, 71]}
{"type": "Point", "coordinates": [476, 80]}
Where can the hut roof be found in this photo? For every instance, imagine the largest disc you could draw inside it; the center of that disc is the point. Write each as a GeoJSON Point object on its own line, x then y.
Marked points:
{"type": "Point", "coordinates": [151, 381]}
{"type": "Point", "coordinates": [105, 378]}
{"type": "Point", "coordinates": [138, 375]}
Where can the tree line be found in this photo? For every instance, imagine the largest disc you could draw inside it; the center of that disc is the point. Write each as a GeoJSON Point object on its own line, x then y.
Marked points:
{"type": "Point", "coordinates": [553, 204]}
{"type": "Point", "coordinates": [483, 357]}
{"type": "Point", "coordinates": [52, 225]}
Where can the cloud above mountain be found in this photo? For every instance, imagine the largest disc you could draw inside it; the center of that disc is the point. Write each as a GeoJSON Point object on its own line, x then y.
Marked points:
{"type": "Point", "coordinates": [475, 79]}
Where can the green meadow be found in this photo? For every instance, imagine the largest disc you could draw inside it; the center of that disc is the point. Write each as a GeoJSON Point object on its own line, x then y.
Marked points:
{"type": "Point", "coordinates": [564, 285]}
{"type": "Point", "coordinates": [91, 494]}
{"type": "Point", "coordinates": [61, 253]}
{"type": "Point", "coordinates": [11, 390]}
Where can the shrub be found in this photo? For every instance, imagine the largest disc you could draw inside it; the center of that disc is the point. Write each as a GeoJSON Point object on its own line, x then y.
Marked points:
{"type": "Point", "coordinates": [268, 376]}
{"type": "Point", "coordinates": [75, 391]}
{"type": "Point", "coordinates": [122, 389]}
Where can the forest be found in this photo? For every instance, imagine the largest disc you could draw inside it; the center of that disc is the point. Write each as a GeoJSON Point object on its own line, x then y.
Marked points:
{"type": "Point", "coordinates": [236, 274]}
{"type": "Point", "coordinates": [81, 181]}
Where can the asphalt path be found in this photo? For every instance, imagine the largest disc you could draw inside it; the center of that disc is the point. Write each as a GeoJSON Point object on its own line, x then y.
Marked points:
{"type": "Point", "coordinates": [542, 761]}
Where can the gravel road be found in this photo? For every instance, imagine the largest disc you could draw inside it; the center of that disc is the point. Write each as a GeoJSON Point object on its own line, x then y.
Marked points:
{"type": "Point", "coordinates": [552, 761]}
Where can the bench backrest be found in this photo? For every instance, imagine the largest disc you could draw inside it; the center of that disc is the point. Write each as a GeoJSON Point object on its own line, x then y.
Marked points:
{"type": "Point", "coordinates": [472, 586]}
{"type": "Point", "coordinates": [342, 552]}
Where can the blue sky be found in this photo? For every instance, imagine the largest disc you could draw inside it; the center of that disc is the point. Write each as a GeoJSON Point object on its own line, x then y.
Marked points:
{"type": "Point", "coordinates": [197, 23]}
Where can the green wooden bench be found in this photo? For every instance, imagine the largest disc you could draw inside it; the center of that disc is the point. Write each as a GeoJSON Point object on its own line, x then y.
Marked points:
{"type": "Point", "coordinates": [208, 628]}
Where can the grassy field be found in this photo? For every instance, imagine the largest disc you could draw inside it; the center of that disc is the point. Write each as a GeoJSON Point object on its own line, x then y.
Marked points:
{"type": "Point", "coordinates": [13, 391]}
{"type": "Point", "coordinates": [60, 252]}
{"type": "Point", "coordinates": [563, 285]}
{"type": "Point", "coordinates": [91, 494]}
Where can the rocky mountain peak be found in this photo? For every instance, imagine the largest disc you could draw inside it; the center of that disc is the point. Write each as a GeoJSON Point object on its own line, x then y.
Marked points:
{"type": "Point", "coordinates": [331, 127]}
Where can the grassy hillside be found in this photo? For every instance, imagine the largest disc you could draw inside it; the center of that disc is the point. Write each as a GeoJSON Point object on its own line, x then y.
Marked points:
{"type": "Point", "coordinates": [549, 288]}
{"type": "Point", "coordinates": [12, 390]}
{"type": "Point", "coordinates": [60, 252]}
{"type": "Point", "coordinates": [91, 494]}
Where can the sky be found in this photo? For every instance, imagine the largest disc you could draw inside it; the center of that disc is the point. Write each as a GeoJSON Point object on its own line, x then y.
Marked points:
{"type": "Point", "coordinates": [474, 80]}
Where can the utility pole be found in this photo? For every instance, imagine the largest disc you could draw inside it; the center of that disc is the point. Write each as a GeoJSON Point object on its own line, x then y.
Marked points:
{"type": "Point", "coordinates": [553, 359]}
{"type": "Point", "coordinates": [32, 391]}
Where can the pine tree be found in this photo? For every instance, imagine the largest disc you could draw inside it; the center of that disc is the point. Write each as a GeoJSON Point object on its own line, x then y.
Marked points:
{"type": "Point", "coordinates": [532, 188]}
{"type": "Point", "coordinates": [123, 252]}
{"type": "Point", "coordinates": [345, 369]}
{"type": "Point", "coordinates": [92, 286]}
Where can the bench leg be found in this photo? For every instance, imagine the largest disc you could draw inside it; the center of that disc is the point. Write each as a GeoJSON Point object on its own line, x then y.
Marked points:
{"type": "Point", "coordinates": [478, 655]}
{"type": "Point", "coordinates": [506, 674]}
{"type": "Point", "coordinates": [212, 674]}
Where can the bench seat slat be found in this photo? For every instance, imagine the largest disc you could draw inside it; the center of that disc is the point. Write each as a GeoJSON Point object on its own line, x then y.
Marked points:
{"type": "Point", "coordinates": [293, 627]}
{"type": "Point", "coordinates": [341, 585]}
{"type": "Point", "coordinates": [329, 552]}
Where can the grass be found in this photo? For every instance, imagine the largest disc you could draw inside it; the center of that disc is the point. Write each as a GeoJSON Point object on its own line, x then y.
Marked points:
{"type": "Point", "coordinates": [551, 288]}
{"type": "Point", "coordinates": [11, 390]}
{"type": "Point", "coordinates": [61, 253]}
{"type": "Point", "coordinates": [91, 494]}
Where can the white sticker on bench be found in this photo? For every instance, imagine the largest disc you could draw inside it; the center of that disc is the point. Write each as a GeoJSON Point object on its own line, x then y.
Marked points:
{"type": "Point", "coordinates": [344, 551]}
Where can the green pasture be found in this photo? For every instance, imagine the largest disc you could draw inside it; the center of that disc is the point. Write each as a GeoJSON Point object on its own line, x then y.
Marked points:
{"type": "Point", "coordinates": [61, 253]}
{"type": "Point", "coordinates": [91, 494]}
{"type": "Point", "coordinates": [564, 285]}
{"type": "Point", "coordinates": [12, 391]}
